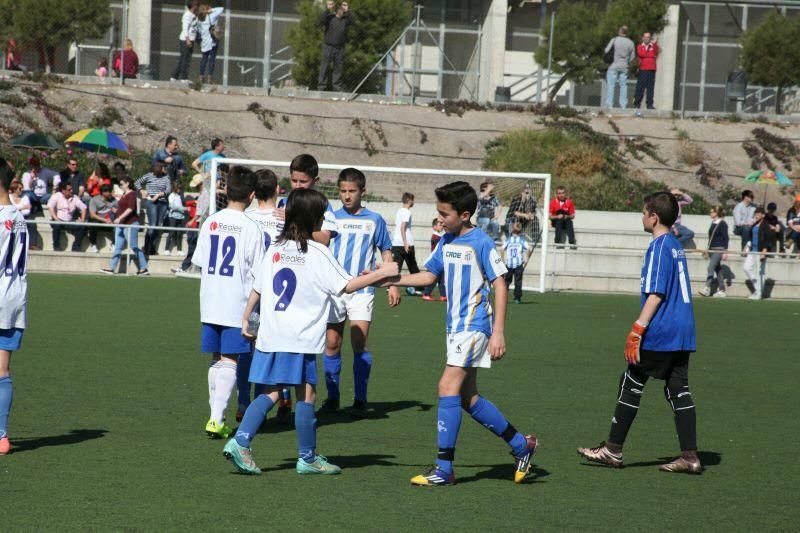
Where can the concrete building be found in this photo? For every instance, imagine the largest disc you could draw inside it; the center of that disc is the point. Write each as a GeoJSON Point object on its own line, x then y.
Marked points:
{"type": "Point", "coordinates": [456, 49]}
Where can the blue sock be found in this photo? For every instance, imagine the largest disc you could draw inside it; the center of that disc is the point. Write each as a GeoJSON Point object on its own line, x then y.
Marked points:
{"type": "Point", "coordinates": [362, 364]}
{"type": "Point", "coordinates": [492, 419]}
{"type": "Point", "coordinates": [253, 418]}
{"type": "Point", "coordinates": [6, 395]}
{"type": "Point", "coordinates": [448, 425]}
{"type": "Point", "coordinates": [242, 379]}
{"type": "Point", "coordinates": [332, 365]}
{"type": "Point", "coordinates": [305, 422]}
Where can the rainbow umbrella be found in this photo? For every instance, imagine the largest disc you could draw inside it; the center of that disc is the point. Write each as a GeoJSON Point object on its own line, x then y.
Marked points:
{"type": "Point", "coordinates": [98, 141]}
{"type": "Point", "coordinates": [768, 177]}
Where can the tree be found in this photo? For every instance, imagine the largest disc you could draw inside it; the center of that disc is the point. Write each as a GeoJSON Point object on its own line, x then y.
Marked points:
{"type": "Point", "coordinates": [581, 34]}
{"type": "Point", "coordinates": [770, 55]}
{"type": "Point", "coordinates": [46, 24]}
{"type": "Point", "coordinates": [378, 23]}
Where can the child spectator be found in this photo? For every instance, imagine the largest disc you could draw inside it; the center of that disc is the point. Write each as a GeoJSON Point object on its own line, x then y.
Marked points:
{"type": "Point", "coordinates": [102, 68]}
{"type": "Point", "coordinates": [717, 252]}
{"type": "Point", "coordinates": [516, 253]}
{"type": "Point", "coordinates": [176, 217]}
{"type": "Point", "coordinates": [436, 236]}
{"type": "Point", "coordinates": [102, 209]}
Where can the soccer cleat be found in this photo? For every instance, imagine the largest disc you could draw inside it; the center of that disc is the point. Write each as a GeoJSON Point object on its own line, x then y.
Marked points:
{"type": "Point", "coordinates": [5, 446]}
{"type": "Point", "coordinates": [720, 294]}
{"type": "Point", "coordinates": [218, 431]}
{"type": "Point", "coordinates": [524, 462]}
{"type": "Point", "coordinates": [434, 477]}
{"type": "Point", "coordinates": [284, 415]}
{"type": "Point", "coordinates": [427, 297]}
{"type": "Point", "coordinates": [241, 457]}
{"type": "Point", "coordinates": [320, 465]}
{"type": "Point", "coordinates": [601, 454]}
{"type": "Point", "coordinates": [681, 465]}
{"type": "Point", "coordinates": [358, 409]}
{"type": "Point", "coordinates": [329, 406]}
{"type": "Point", "coordinates": [705, 291]}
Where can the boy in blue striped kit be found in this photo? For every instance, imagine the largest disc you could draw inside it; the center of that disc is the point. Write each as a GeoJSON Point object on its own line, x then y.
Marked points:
{"type": "Point", "coordinates": [360, 233]}
{"type": "Point", "coordinates": [660, 342]}
{"type": "Point", "coordinates": [517, 252]}
{"type": "Point", "coordinates": [469, 262]}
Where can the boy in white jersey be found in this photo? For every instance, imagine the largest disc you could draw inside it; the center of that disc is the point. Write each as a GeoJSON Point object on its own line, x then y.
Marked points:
{"type": "Point", "coordinates": [468, 260]}
{"type": "Point", "coordinates": [361, 233]}
{"type": "Point", "coordinates": [229, 246]}
{"type": "Point", "coordinates": [13, 287]}
{"type": "Point", "coordinates": [292, 287]}
{"type": "Point", "coordinates": [266, 216]}
{"type": "Point", "coordinates": [517, 252]}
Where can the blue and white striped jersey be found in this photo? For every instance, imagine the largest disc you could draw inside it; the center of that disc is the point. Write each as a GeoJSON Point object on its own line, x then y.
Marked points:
{"type": "Point", "coordinates": [359, 235]}
{"type": "Point", "coordinates": [469, 264]}
{"type": "Point", "coordinates": [515, 247]}
{"type": "Point", "coordinates": [665, 272]}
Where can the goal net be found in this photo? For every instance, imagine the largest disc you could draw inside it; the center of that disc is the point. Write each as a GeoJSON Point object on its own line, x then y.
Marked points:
{"type": "Point", "coordinates": [521, 198]}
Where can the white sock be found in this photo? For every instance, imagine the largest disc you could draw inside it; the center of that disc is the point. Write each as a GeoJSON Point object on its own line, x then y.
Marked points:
{"type": "Point", "coordinates": [225, 383]}
{"type": "Point", "coordinates": [212, 382]}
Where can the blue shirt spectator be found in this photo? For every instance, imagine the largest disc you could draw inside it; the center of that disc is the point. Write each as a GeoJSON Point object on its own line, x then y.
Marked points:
{"type": "Point", "coordinates": [174, 167]}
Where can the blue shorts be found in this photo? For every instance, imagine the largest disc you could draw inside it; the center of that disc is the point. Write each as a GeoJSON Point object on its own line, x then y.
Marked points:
{"type": "Point", "coordinates": [10, 339]}
{"type": "Point", "coordinates": [223, 339]}
{"type": "Point", "coordinates": [281, 368]}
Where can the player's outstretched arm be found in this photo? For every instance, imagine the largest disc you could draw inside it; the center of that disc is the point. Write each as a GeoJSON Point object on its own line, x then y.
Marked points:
{"type": "Point", "coordinates": [421, 279]}
{"type": "Point", "coordinates": [497, 342]}
{"type": "Point", "coordinates": [252, 301]}
{"type": "Point", "coordinates": [377, 277]}
{"type": "Point", "coordinates": [634, 340]}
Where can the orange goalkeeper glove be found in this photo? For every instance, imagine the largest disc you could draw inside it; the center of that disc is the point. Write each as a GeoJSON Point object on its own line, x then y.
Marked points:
{"type": "Point", "coordinates": [633, 342]}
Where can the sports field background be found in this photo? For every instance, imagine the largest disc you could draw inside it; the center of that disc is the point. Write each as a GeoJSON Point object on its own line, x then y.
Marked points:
{"type": "Point", "coordinates": [111, 400]}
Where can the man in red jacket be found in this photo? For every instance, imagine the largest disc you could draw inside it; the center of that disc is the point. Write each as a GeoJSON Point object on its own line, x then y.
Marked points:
{"type": "Point", "coordinates": [647, 51]}
{"type": "Point", "coordinates": [562, 212]}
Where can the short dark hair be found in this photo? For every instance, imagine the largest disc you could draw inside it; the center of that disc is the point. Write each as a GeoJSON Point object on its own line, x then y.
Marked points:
{"type": "Point", "coordinates": [460, 195]}
{"type": "Point", "coordinates": [760, 209]}
{"type": "Point", "coordinates": [306, 164]}
{"type": "Point", "coordinates": [160, 165]}
{"type": "Point", "coordinates": [435, 221]}
{"type": "Point", "coordinates": [664, 205]}
{"type": "Point", "coordinates": [118, 165]}
{"type": "Point", "coordinates": [354, 175]}
{"type": "Point", "coordinates": [485, 185]}
{"type": "Point", "coordinates": [191, 3]}
{"type": "Point", "coordinates": [305, 209]}
{"type": "Point", "coordinates": [105, 188]}
{"type": "Point", "coordinates": [561, 188]}
{"type": "Point", "coordinates": [215, 142]}
{"type": "Point", "coordinates": [171, 138]}
{"type": "Point", "coordinates": [6, 174]}
{"type": "Point", "coordinates": [747, 193]}
{"type": "Point", "coordinates": [63, 185]}
{"type": "Point", "coordinates": [266, 184]}
{"type": "Point", "coordinates": [407, 197]}
{"type": "Point", "coordinates": [241, 182]}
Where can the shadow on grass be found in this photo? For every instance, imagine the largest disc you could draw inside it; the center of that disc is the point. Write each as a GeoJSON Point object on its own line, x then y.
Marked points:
{"type": "Point", "coordinates": [346, 462]}
{"type": "Point", "coordinates": [76, 436]}
{"type": "Point", "coordinates": [502, 472]}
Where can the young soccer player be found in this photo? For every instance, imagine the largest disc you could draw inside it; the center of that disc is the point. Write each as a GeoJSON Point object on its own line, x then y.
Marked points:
{"type": "Point", "coordinates": [361, 233]}
{"type": "Point", "coordinates": [437, 232]}
{"type": "Point", "coordinates": [467, 258]}
{"type": "Point", "coordinates": [402, 238]}
{"type": "Point", "coordinates": [292, 287]}
{"type": "Point", "coordinates": [516, 253]}
{"type": "Point", "coordinates": [659, 343]}
{"type": "Point", "coordinates": [14, 287]}
{"type": "Point", "coordinates": [229, 246]}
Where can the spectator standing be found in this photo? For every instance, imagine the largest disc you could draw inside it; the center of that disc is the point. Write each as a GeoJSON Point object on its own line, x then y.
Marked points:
{"type": "Point", "coordinates": [516, 254]}
{"type": "Point", "coordinates": [488, 210]}
{"type": "Point", "coordinates": [793, 224]}
{"type": "Point", "coordinates": [403, 240]}
{"type": "Point", "coordinates": [154, 188]}
{"type": "Point", "coordinates": [681, 232]}
{"type": "Point", "coordinates": [75, 178]}
{"type": "Point", "coordinates": [127, 214]}
{"type": "Point", "coordinates": [624, 50]}
{"type": "Point", "coordinates": [647, 51]}
{"type": "Point", "coordinates": [175, 219]}
{"type": "Point", "coordinates": [197, 214]}
{"type": "Point", "coordinates": [744, 218]}
{"type": "Point", "coordinates": [436, 235]}
{"type": "Point", "coordinates": [126, 62]}
{"type": "Point", "coordinates": [523, 210]}
{"type": "Point", "coordinates": [335, 20]}
{"type": "Point", "coordinates": [186, 41]}
{"type": "Point", "coordinates": [102, 209]}
{"type": "Point", "coordinates": [562, 213]}
{"type": "Point", "coordinates": [64, 206]}
{"type": "Point", "coordinates": [203, 163]}
{"type": "Point", "coordinates": [174, 167]}
{"type": "Point", "coordinates": [208, 17]}
{"type": "Point", "coordinates": [717, 252]}
{"type": "Point", "coordinates": [13, 57]}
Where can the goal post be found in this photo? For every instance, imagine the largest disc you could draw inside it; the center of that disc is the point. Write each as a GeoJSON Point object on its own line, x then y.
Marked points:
{"type": "Point", "coordinates": [385, 186]}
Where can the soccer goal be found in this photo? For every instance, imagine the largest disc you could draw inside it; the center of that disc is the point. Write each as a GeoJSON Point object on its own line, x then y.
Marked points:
{"type": "Point", "coordinates": [386, 185]}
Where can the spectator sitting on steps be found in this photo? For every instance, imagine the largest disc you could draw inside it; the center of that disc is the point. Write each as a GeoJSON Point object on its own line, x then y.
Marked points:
{"type": "Point", "coordinates": [102, 209]}
{"type": "Point", "coordinates": [64, 206]}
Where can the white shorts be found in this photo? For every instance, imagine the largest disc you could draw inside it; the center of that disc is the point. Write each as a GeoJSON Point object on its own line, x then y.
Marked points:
{"type": "Point", "coordinates": [353, 306]}
{"type": "Point", "coordinates": [468, 349]}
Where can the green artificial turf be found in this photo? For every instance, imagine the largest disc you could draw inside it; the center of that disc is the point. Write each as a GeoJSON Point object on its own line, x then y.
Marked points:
{"type": "Point", "coordinates": [111, 400]}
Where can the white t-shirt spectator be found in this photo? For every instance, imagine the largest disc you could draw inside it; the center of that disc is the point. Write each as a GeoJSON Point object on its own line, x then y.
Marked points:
{"type": "Point", "coordinates": [23, 205]}
{"type": "Point", "coordinates": [403, 216]}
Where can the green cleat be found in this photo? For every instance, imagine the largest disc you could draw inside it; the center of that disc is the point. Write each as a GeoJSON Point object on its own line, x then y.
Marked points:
{"type": "Point", "coordinates": [218, 431]}
{"type": "Point", "coordinates": [319, 466]}
{"type": "Point", "coordinates": [241, 457]}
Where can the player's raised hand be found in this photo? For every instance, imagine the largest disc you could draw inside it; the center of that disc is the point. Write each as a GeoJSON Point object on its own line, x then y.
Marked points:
{"type": "Point", "coordinates": [633, 342]}
{"type": "Point", "coordinates": [497, 346]}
